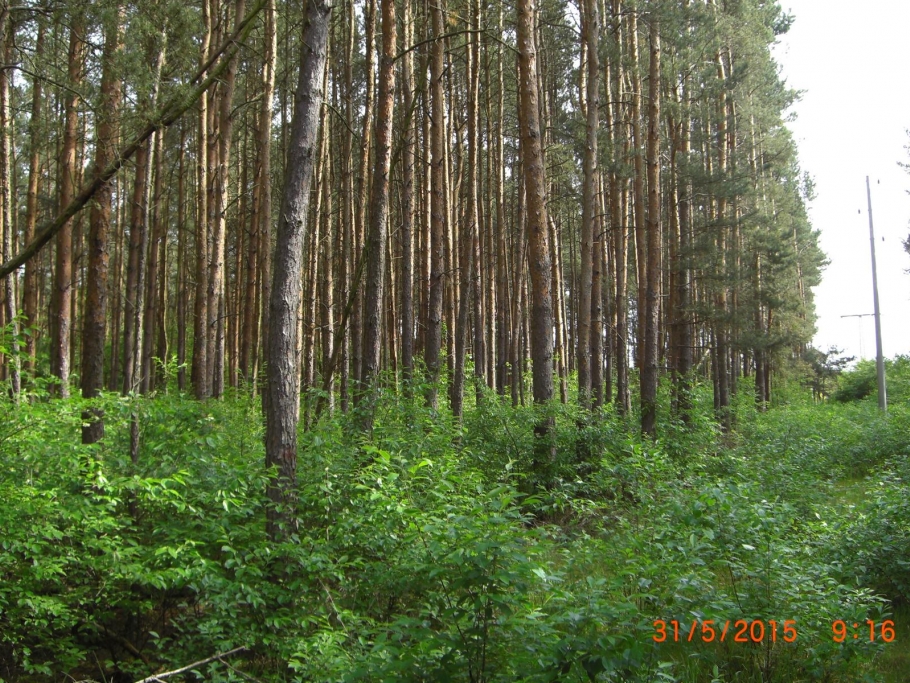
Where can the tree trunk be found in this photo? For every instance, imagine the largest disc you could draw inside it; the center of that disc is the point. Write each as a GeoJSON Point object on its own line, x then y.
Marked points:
{"type": "Point", "coordinates": [407, 205]}
{"type": "Point", "coordinates": [138, 247]}
{"type": "Point", "coordinates": [7, 229]}
{"type": "Point", "coordinates": [362, 182]}
{"type": "Point", "coordinates": [282, 407]}
{"type": "Point", "coordinates": [63, 270]}
{"type": "Point", "coordinates": [375, 251]}
{"type": "Point", "coordinates": [262, 213]}
{"type": "Point", "coordinates": [638, 187]}
{"type": "Point", "coordinates": [619, 227]}
{"type": "Point", "coordinates": [95, 316]}
{"type": "Point", "coordinates": [589, 222]}
{"type": "Point", "coordinates": [158, 234]}
{"type": "Point", "coordinates": [467, 261]}
{"type": "Point", "coordinates": [182, 291]}
{"type": "Point", "coordinates": [200, 305]}
{"type": "Point", "coordinates": [649, 367]}
{"type": "Point", "coordinates": [30, 285]}
{"type": "Point", "coordinates": [541, 303]}
{"type": "Point", "coordinates": [503, 309]}
{"type": "Point", "coordinates": [438, 211]}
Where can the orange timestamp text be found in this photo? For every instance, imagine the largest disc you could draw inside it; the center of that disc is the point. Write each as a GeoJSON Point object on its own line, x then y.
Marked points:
{"type": "Point", "coordinates": [738, 631]}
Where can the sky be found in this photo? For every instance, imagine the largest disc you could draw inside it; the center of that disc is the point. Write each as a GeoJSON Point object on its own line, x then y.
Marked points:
{"type": "Point", "coordinates": [850, 59]}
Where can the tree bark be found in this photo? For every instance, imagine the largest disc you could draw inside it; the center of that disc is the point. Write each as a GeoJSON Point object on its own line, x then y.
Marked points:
{"type": "Point", "coordinates": [649, 367]}
{"type": "Point", "coordinates": [282, 407]}
{"type": "Point", "coordinates": [138, 245]}
{"type": "Point", "coordinates": [7, 228]}
{"type": "Point", "coordinates": [407, 205]}
{"type": "Point", "coordinates": [438, 211]}
{"type": "Point", "coordinates": [63, 269]}
{"type": "Point", "coordinates": [155, 264]}
{"type": "Point", "coordinates": [30, 284]}
{"type": "Point", "coordinates": [589, 222]}
{"type": "Point", "coordinates": [638, 187]}
{"type": "Point", "coordinates": [375, 250]}
{"type": "Point", "coordinates": [541, 303]}
{"type": "Point", "coordinates": [182, 291]}
{"type": "Point", "coordinates": [618, 225]}
{"type": "Point", "coordinates": [200, 303]}
{"type": "Point", "coordinates": [362, 182]}
{"type": "Point", "coordinates": [216, 305]}
{"type": "Point", "coordinates": [263, 188]}
{"type": "Point", "coordinates": [95, 316]}
{"type": "Point", "coordinates": [467, 261]}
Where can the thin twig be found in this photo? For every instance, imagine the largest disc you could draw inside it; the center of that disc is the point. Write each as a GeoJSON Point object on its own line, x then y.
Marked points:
{"type": "Point", "coordinates": [189, 667]}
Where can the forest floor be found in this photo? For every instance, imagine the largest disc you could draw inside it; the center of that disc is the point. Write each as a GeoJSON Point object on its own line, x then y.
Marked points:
{"type": "Point", "coordinates": [443, 551]}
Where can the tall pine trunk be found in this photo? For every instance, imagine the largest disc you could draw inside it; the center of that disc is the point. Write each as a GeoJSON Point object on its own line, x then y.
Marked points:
{"type": "Point", "coordinates": [438, 211]}
{"type": "Point", "coordinates": [589, 222]}
{"type": "Point", "coordinates": [375, 251]}
{"type": "Point", "coordinates": [541, 303]}
{"type": "Point", "coordinates": [282, 406]}
{"type": "Point", "coordinates": [30, 284]}
{"type": "Point", "coordinates": [649, 365]}
{"type": "Point", "coordinates": [63, 268]}
{"type": "Point", "coordinates": [95, 316]}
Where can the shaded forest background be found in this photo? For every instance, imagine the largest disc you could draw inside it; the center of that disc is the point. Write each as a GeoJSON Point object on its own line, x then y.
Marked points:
{"type": "Point", "coordinates": [672, 236]}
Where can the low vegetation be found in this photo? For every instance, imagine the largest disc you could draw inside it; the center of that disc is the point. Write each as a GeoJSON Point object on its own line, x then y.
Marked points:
{"type": "Point", "coordinates": [437, 551]}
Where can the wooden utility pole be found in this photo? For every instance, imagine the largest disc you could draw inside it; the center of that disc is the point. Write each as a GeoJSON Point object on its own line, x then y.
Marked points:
{"type": "Point", "coordinates": [879, 358]}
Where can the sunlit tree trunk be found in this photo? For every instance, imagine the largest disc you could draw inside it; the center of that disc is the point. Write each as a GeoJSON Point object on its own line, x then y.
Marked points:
{"type": "Point", "coordinates": [362, 182]}
{"type": "Point", "coordinates": [63, 271]}
{"type": "Point", "coordinates": [375, 251]}
{"type": "Point", "coordinates": [262, 212]}
{"type": "Point", "coordinates": [155, 266]}
{"type": "Point", "coordinates": [282, 408]}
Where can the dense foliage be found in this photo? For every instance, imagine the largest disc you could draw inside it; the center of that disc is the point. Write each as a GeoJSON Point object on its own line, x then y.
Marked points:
{"type": "Point", "coordinates": [435, 552]}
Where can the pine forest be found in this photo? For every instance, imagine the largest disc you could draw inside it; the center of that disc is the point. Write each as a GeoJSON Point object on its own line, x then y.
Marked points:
{"type": "Point", "coordinates": [392, 340]}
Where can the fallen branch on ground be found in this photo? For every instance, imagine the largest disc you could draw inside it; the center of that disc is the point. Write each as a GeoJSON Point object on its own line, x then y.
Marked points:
{"type": "Point", "coordinates": [189, 667]}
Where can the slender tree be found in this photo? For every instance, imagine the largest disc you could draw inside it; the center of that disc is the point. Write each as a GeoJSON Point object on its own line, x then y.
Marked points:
{"type": "Point", "coordinates": [282, 406]}
{"type": "Point", "coordinates": [589, 222]}
{"type": "Point", "coordinates": [96, 299]}
{"type": "Point", "coordinates": [63, 269]}
{"type": "Point", "coordinates": [649, 366]}
{"type": "Point", "coordinates": [541, 303]}
{"type": "Point", "coordinates": [375, 248]}
{"type": "Point", "coordinates": [7, 228]}
{"type": "Point", "coordinates": [438, 211]}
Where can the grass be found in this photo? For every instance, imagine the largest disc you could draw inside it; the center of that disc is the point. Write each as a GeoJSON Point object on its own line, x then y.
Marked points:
{"type": "Point", "coordinates": [893, 664]}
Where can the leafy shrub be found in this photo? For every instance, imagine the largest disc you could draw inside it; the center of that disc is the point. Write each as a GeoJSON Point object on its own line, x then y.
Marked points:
{"type": "Point", "coordinates": [438, 551]}
{"type": "Point", "coordinates": [861, 382]}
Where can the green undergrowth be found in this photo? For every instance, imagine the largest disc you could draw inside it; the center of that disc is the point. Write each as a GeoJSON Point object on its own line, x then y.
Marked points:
{"type": "Point", "coordinates": [444, 551]}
